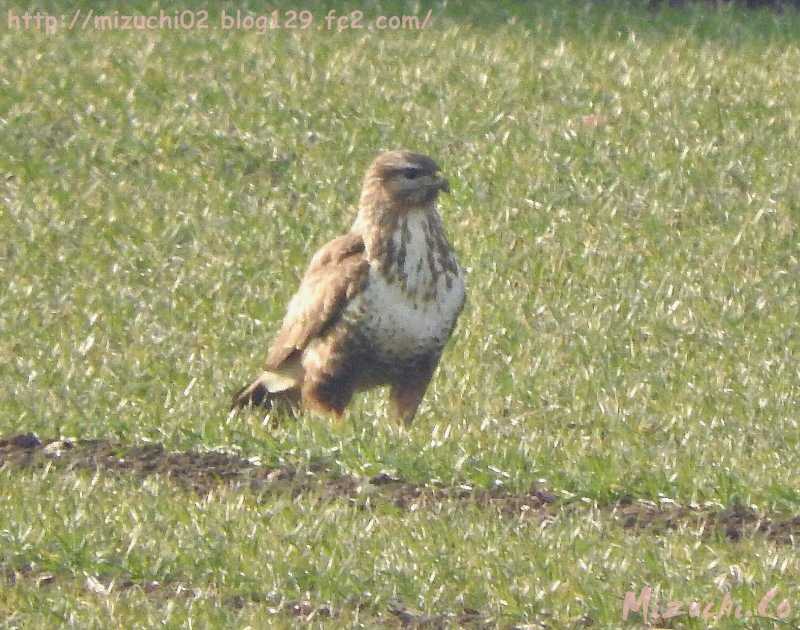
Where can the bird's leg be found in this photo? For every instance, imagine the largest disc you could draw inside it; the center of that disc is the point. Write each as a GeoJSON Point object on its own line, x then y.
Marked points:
{"type": "Point", "coordinates": [405, 396]}
{"type": "Point", "coordinates": [326, 395]}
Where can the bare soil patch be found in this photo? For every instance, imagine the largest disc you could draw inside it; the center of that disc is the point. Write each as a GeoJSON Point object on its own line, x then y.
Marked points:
{"type": "Point", "coordinates": [202, 471]}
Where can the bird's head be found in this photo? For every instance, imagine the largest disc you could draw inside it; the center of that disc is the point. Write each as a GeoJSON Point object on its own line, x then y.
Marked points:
{"type": "Point", "coordinates": [403, 180]}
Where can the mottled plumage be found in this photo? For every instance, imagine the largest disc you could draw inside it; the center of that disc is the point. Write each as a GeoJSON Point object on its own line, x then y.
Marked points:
{"type": "Point", "coordinates": [376, 305]}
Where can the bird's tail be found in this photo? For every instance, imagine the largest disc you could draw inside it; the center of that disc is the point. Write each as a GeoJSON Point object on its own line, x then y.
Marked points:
{"type": "Point", "coordinates": [268, 388]}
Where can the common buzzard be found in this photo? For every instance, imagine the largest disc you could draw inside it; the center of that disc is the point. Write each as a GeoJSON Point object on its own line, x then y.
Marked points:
{"type": "Point", "coordinates": [376, 305]}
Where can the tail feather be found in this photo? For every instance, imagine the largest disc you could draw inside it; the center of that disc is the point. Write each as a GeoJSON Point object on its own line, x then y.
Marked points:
{"type": "Point", "coordinates": [254, 394]}
{"type": "Point", "coordinates": [266, 389]}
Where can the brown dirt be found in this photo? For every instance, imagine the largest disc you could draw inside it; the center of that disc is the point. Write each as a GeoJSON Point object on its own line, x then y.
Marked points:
{"type": "Point", "coordinates": [103, 585]}
{"type": "Point", "coordinates": [409, 618]}
{"type": "Point", "coordinates": [733, 523]}
{"type": "Point", "coordinates": [293, 611]}
{"type": "Point", "coordinates": [202, 471]}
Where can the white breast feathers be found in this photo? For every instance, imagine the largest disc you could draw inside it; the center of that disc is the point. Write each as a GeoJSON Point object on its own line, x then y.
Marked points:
{"type": "Point", "coordinates": [409, 310]}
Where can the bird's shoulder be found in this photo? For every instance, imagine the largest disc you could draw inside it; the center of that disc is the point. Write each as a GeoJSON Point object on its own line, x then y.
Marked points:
{"type": "Point", "coordinates": [347, 246]}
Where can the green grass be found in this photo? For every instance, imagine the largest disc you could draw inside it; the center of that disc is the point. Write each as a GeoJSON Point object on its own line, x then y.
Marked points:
{"type": "Point", "coordinates": [631, 329]}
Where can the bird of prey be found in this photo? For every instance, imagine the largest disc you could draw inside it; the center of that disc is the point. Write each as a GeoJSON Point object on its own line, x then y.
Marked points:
{"type": "Point", "coordinates": [375, 306]}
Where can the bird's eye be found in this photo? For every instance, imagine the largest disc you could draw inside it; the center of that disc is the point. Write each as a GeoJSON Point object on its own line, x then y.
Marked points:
{"type": "Point", "coordinates": [411, 173]}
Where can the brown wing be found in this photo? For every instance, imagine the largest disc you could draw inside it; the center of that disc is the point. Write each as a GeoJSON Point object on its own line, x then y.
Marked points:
{"type": "Point", "coordinates": [337, 272]}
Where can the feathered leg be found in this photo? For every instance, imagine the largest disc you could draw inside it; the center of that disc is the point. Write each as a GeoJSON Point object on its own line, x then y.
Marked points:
{"type": "Point", "coordinates": [406, 395]}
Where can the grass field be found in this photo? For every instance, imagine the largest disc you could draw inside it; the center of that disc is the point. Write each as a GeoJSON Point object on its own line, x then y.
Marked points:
{"type": "Point", "coordinates": [617, 409]}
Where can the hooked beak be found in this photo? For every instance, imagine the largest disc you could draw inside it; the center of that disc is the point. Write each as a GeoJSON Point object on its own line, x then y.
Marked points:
{"type": "Point", "coordinates": [442, 184]}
